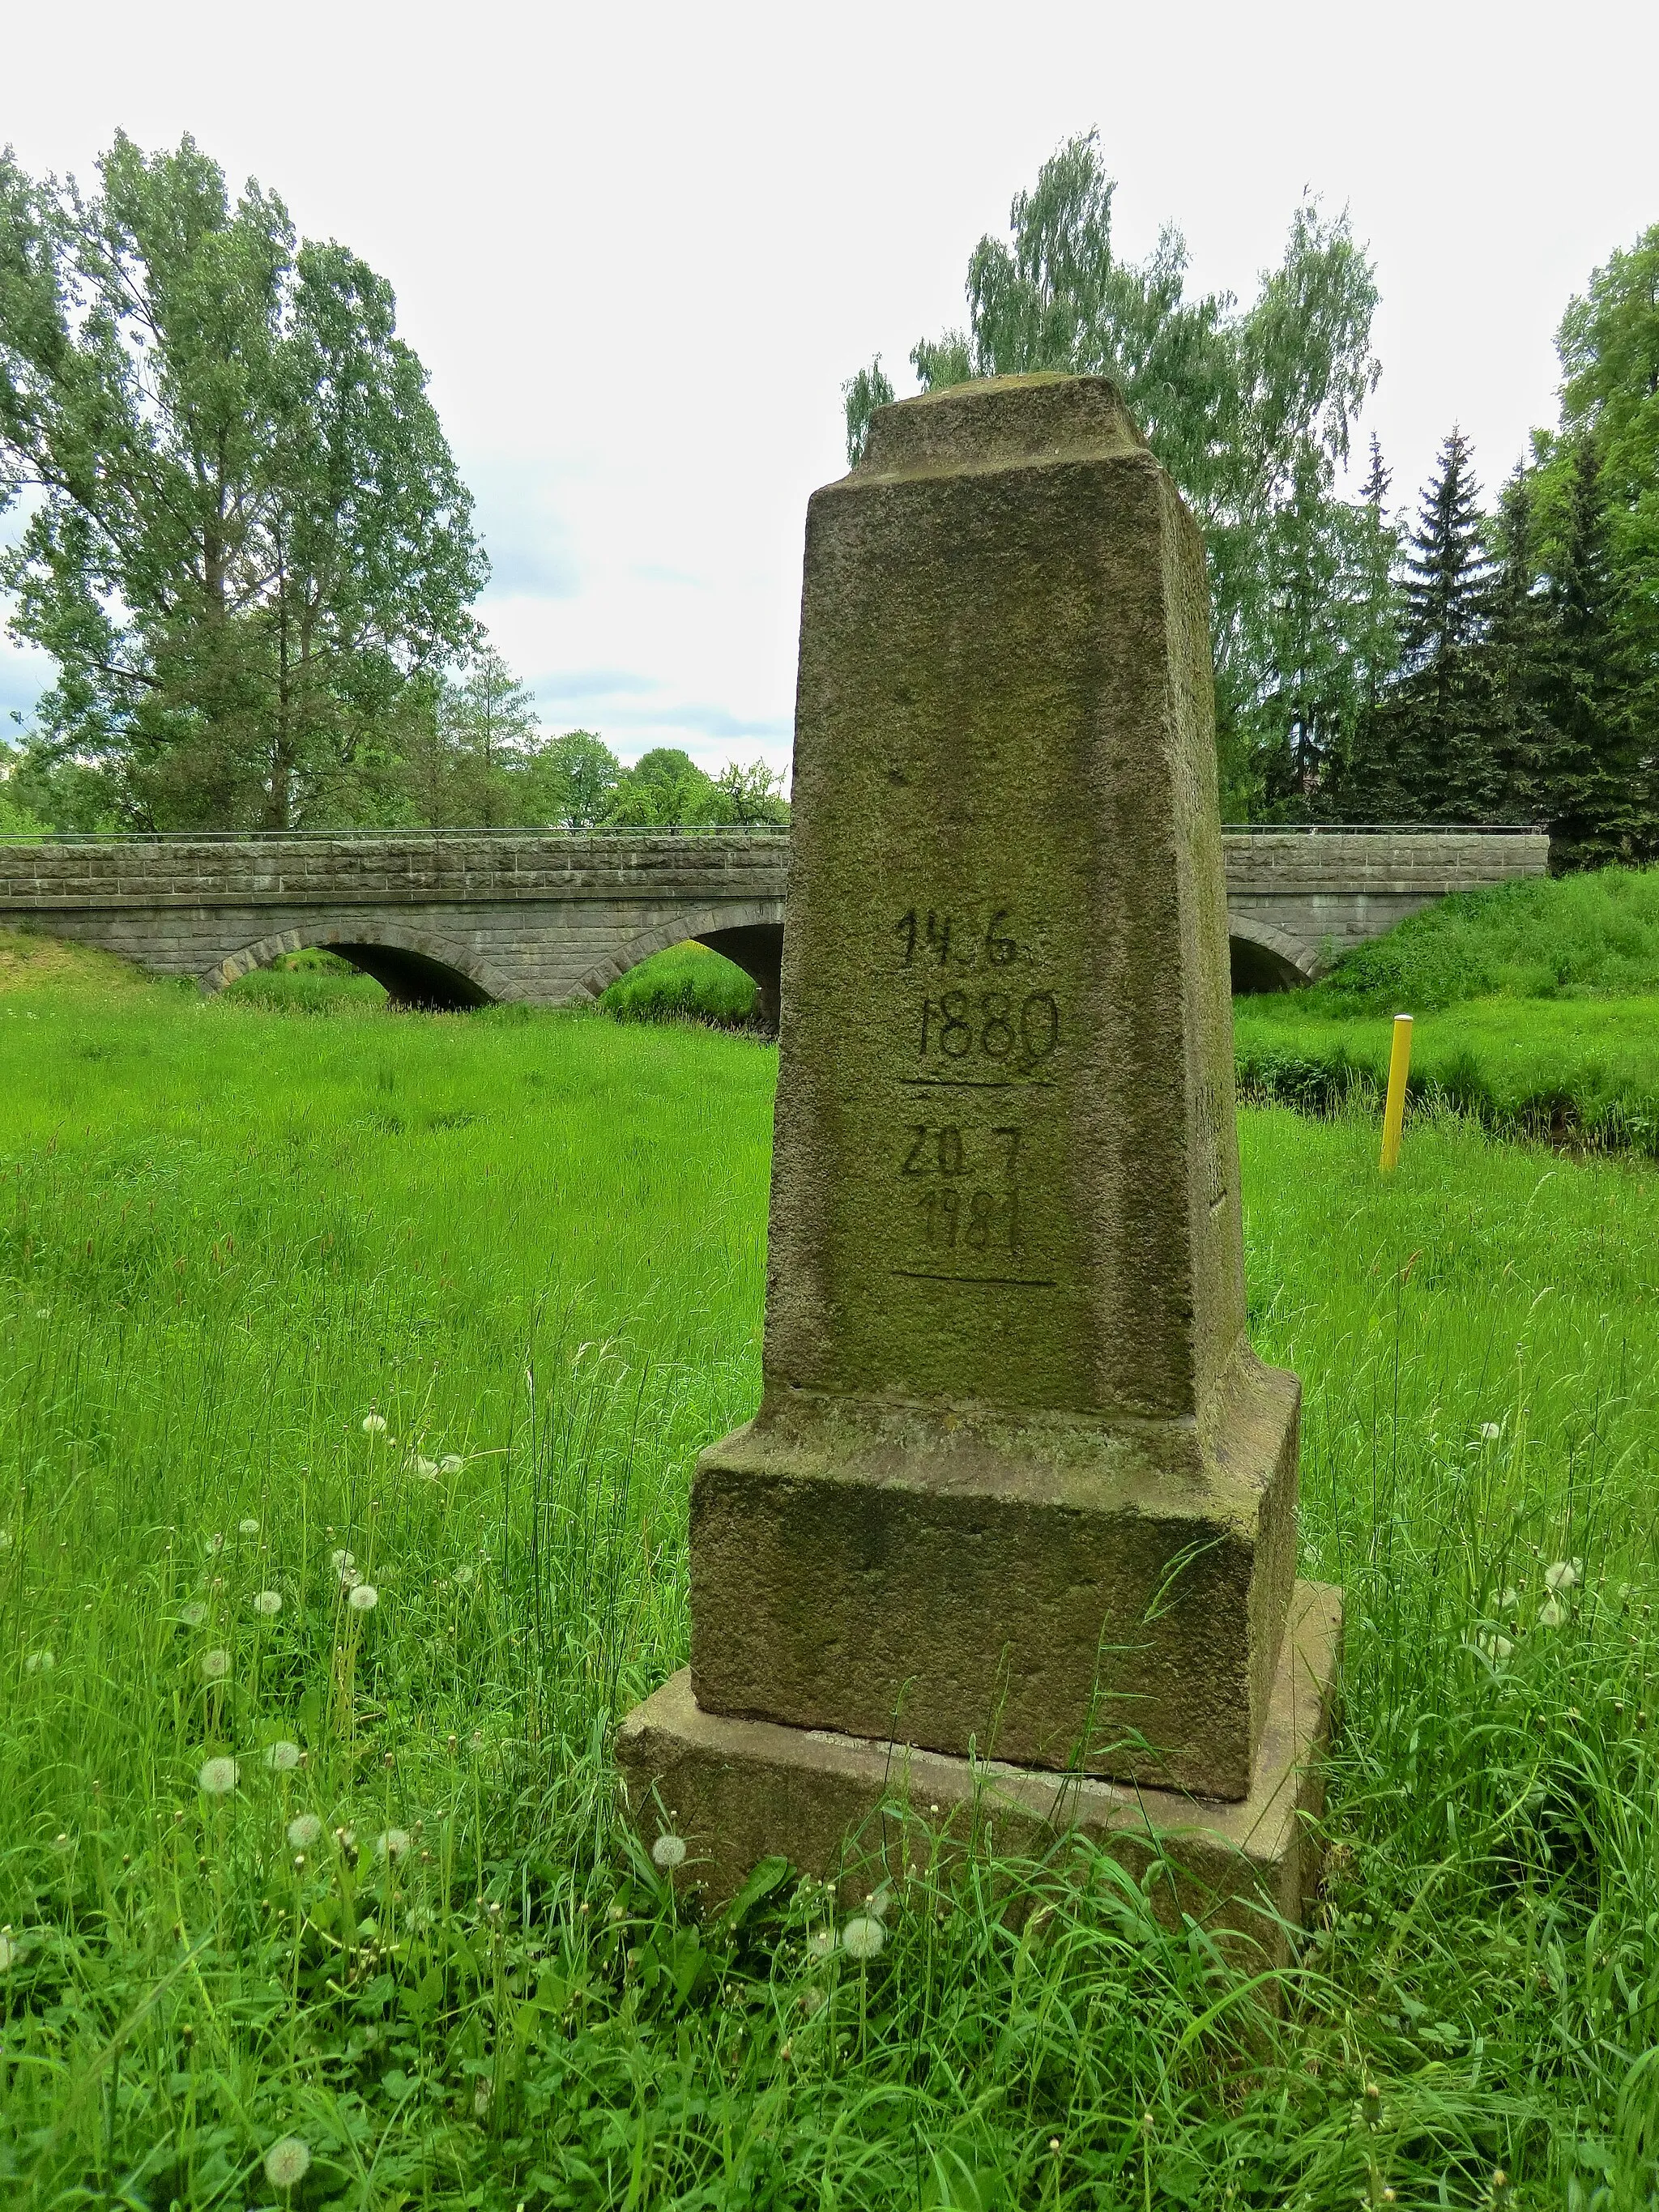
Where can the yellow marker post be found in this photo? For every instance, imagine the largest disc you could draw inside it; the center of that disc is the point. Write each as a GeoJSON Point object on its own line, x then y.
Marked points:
{"type": "Point", "coordinates": [1399, 1066]}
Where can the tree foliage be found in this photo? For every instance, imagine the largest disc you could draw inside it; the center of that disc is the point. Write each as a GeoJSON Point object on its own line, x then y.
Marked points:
{"type": "Point", "coordinates": [1434, 745]}
{"type": "Point", "coordinates": [1251, 410]}
{"type": "Point", "coordinates": [246, 538]}
{"type": "Point", "coordinates": [1609, 349]}
{"type": "Point", "coordinates": [1458, 666]}
{"type": "Point", "coordinates": [666, 787]}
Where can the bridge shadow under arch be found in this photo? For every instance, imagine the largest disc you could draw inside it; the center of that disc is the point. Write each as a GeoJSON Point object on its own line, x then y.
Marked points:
{"type": "Point", "coordinates": [417, 968]}
{"type": "Point", "coordinates": [1263, 959]}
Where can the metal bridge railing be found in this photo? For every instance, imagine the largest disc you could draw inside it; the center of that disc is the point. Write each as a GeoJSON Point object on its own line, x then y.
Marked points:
{"type": "Point", "coordinates": [761, 831]}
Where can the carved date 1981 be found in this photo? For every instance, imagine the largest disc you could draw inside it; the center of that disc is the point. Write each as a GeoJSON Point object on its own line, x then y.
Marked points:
{"type": "Point", "coordinates": [954, 1215]}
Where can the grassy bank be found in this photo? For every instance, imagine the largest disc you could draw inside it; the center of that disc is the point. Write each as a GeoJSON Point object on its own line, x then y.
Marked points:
{"type": "Point", "coordinates": [1586, 936]}
{"type": "Point", "coordinates": [533, 1247]}
{"type": "Point", "coordinates": [1536, 1010]}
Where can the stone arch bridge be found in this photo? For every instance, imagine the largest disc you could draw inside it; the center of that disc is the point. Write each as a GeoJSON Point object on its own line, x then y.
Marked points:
{"type": "Point", "coordinates": [462, 918]}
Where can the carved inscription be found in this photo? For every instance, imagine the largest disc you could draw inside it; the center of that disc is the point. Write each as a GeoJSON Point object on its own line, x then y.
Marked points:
{"type": "Point", "coordinates": [977, 1020]}
{"type": "Point", "coordinates": [993, 1028]}
{"type": "Point", "coordinates": [968, 1194]}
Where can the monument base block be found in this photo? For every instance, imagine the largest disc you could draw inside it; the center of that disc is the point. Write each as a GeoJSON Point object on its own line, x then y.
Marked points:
{"type": "Point", "coordinates": [855, 1811]}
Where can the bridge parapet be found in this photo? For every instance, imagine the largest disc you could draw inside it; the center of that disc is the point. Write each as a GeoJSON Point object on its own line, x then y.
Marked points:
{"type": "Point", "coordinates": [399, 865]}
{"type": "Point", "coordinates": [1430, 862]}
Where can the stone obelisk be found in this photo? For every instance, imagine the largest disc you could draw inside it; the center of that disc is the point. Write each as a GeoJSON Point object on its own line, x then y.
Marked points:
{"type": "Point", "coordinates": [1018, 1490]}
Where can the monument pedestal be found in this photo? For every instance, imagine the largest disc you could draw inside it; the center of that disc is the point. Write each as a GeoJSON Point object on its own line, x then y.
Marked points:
{"type": "Point", "coordinates": [854, 1811]}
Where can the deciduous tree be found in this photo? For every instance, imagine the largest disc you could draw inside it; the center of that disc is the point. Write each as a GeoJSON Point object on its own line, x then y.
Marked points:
{"type": "Point", "coordinates": [246, 536]}
{"type": "Point", "coordinates": [1251, 410]}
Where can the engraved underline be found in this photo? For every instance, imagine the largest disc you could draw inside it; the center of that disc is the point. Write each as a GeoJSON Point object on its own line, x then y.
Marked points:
{"type": "Point", "coordinates": [980, 1082]}
{"type": "Point", "coordinates": [1009, 1282]}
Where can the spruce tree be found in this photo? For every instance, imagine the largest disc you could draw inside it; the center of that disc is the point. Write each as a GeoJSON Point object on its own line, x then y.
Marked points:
{"type": "Point", "coordinates": [1432, 745]}
{"type": "Point", "coordinates": [1446, 565]}
{"type": "Point", "coordinates": [1602, 794]}
{"type": "Point", "coordinates": [1528, 747]}
{"type": "Point", "coordinates": [1375, 489]}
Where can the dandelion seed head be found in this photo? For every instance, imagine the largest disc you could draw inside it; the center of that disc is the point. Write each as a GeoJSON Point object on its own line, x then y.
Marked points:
{"type": "Point", "coordinates": [248, 1526]}
{"type": "Point", "coordinates": [215, 1665]}
{"type": "Point", "coordinates": [1509, 1599]}
{"type": "Point", "coordinates": [374, 1424]}
{"type": "Point", "coordinates": [392, 1843]}
{"type": "Point", "coordinates": [194, 1613]}
{"type": "Point", "coordinates": [1490, 1432]}
{"type": "Point", "coordinates": [668, 1852]}
{"type": "Point", "coordinates": [463, 1575]}
{"type": "Point", "coordinates": [341, 1560]}
{"type": "Point", "coordinates": [362, 1597]}
{"type": "Point", "coordinates": [215, 1544]}
{"type": "Point", "coordinates": [304, 1830]}
{"type": "Point", "coordinates": [451, 1463]}
{"type": "Point", "coordinates": [821, 1943]}
{"type": "Point", "coordinates": [268, 1602]}
{"type": "Point", "coordinates": [426, 1468]}
{"type": "Point", "coordinates": [1562, 1574]}
{"type": "Point", "coordinates": [863, 1936]}
{"type": "Point", "coordinates": [1551, 1614]}
{"type": "Point", "coordinates": [288, 2162]}
{"type": "Point", "coordinates": [218, 1777]}
{"type": "Point", "coordinates": [39, 1662]}
{"type": "Point", "coordinates": [282, 1757]}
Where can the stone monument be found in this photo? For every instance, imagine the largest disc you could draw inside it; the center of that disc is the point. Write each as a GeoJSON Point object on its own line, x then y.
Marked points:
{"type": "Point", "coordinates": [1016, 1520]}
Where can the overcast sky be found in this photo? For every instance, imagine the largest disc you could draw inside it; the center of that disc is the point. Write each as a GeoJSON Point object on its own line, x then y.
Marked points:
{"type": "Point", "coordinates": [639, 248]}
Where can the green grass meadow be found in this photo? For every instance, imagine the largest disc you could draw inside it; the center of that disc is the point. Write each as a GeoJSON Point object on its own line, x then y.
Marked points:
{"type": "Point", "coordinates": [405, 1929]}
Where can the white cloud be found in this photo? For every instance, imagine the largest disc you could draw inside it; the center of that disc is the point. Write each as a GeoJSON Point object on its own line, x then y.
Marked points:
{"type": "Point", "coordinates": [639, 249]}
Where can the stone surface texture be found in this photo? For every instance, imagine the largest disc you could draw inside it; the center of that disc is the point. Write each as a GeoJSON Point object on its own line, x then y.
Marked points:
{"type": "Point", "coordinates": [1017, 1484]}
{"type": "Point", "coordinates": [550, 919]}
{"type": "Point", "coordinates": [856, 1812]}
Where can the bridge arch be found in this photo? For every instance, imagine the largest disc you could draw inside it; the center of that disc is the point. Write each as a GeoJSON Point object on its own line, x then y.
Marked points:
{"type": "Point", "coordinates": [1266, 958]}
{"type": "Point", "coordinates": [749, 934]}
{"type": "Point", "coordinates": [415, 967]}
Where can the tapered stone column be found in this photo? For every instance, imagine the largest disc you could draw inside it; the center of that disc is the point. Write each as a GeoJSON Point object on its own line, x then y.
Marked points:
{"type": "Point", "coordinates": [1019, 1489]}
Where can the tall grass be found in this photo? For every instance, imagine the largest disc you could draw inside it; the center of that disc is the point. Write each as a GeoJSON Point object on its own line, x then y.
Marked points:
{"type": "Point", "coordinates": [1577, 1073]}
{"type": "Point", "coordinates": [533, 1248]}
{"type": "Point", "coordinates": [688, 983]}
